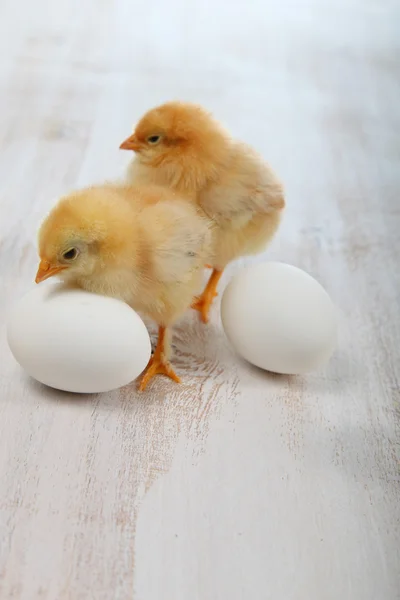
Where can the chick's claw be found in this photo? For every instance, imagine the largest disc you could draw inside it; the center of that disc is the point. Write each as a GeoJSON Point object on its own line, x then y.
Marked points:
{"type": "Point", "coordinates": [157, 366]}
{"type": "Point", "coordinates": [203, 305]}
{"type": "Point", "coordinates": [203, 302]}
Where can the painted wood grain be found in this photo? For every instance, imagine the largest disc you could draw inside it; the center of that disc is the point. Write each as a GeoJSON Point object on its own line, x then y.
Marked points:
{"type": "Point", "coordinates": [237, 484]}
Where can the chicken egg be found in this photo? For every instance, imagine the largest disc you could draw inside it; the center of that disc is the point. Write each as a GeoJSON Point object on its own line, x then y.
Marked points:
{"type": "Point", "coordinates": [279, 318]}
{"type": "Point", "coordinates": [77, 341]}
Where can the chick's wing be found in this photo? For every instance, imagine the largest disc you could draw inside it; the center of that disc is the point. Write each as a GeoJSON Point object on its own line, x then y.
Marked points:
{"type": "Point", "coordinates": [244, 189]}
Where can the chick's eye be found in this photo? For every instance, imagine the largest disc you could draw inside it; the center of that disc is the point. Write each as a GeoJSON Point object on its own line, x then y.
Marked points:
{"type": "Point", "coordinates": [153, 139]}
{"type": "Point", "coordinates": [70, 254]}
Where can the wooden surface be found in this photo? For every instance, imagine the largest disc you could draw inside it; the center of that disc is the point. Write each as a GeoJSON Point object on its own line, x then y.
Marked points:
{"type": "Point", "coordinates": [238, 484]}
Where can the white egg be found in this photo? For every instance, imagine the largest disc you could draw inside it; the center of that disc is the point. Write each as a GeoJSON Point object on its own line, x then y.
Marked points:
{"type": "Point", "coordinates": [76, 341]}
{"type": "Point", "coordinates": [279, 318]}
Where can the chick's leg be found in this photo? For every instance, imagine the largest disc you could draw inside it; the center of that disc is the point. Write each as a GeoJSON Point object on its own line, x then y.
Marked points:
{"type": "Point", "coordinates": [203, 302]}
{"type": "Point", "coordinates": [158, 364]}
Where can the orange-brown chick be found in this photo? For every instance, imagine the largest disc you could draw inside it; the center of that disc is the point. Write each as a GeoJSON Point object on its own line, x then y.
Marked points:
{"type": "Point", "coordinates": [181, 146]}
{"type": "Point", "coordinates": [143, 245]}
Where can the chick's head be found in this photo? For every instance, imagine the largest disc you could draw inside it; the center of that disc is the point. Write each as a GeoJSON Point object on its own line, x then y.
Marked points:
{"type": "Point", "coordinates": [171, 131]}
{"type": "Point", "coordinates": [82, 235]}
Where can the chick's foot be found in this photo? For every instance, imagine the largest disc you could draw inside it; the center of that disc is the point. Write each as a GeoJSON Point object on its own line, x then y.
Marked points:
{"type": "Point", "coordinates": [203, 303]}
{"type": "Point", "coordinates": [157, 366]}
{"type": "Point", "coordinates": [158, 363]}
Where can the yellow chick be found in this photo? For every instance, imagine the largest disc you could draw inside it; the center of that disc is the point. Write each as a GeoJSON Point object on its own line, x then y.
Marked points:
{"type": "Point", "coordinates": [181, 146]}
{"type": "Point", "coordinates": [143, 245]}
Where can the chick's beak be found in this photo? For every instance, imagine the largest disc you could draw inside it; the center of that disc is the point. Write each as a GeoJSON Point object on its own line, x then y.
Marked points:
{"type": "Point", "coordinates": [131, 143]}
{"type": "Point", "coordinates": [46, 270]}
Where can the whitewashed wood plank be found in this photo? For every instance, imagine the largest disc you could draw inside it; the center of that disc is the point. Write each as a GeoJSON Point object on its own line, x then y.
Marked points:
{"type": "Point", "coordinates": [237, 484]}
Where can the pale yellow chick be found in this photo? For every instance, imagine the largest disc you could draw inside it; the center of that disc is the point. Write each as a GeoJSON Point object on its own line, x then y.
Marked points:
{"type": "Point", "coordinates": [181, 146]}
{"type": "Point", "coordinates": [143, 245]}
